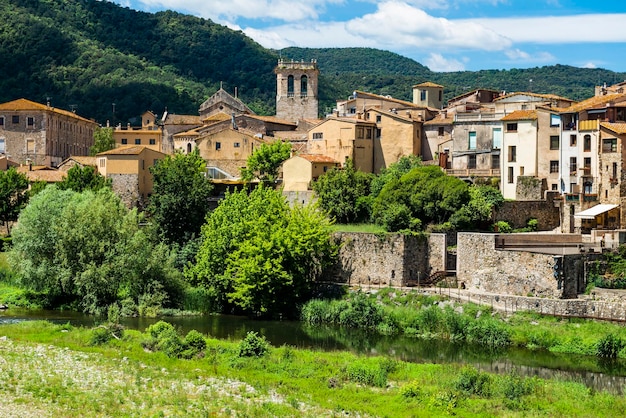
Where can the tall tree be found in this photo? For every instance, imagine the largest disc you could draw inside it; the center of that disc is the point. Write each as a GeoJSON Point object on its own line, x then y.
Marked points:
{"type": "Point", "coordinates": [13, 196]}
{"type": "Point", "coordinates": [102, 140]}
{"type": "Point", "coordinates": [343, 193]}
{"type": "Point", "coordinates": [83, 178]}
{"type": "Point", "coordinates": [264, 163]}
{"type": "Point", "coordinates": [259, 255]}
{"type": "Point", "coordinates": [179, 202]}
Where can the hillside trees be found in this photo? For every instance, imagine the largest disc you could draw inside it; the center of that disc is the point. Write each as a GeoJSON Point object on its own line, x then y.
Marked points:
{"type": "Point", "coordinates": [13, 196]}
{"type": "Point", "coordinates": [87, 250]}
{"type": "Point", "coordinates": [259, 256]}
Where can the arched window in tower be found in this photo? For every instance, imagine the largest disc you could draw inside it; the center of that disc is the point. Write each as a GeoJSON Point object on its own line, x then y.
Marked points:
{"type": "Point", "coordinates": [290, 86]}
{"type": "Point", "coordinates": [304, 84]}
{"type": "Point", "coordinates": [188, 148]}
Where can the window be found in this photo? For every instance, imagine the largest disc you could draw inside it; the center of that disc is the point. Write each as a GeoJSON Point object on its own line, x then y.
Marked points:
{"type": "Point", "coordinates": [143, 164]}
{"type": "Point", "coordinates": [572, 166]}
{"type": "Point", "coordinates": [318, 135]}
{"type": "Point", "coordinates": [368, 133]}
{"type": "Point", "coordinates": [15, 119]}
{"type": "Point", "coordinates": [572, 140]}
{"type": "Point", "coordinates": [378, 133]}
{"type": "Point", "coordinates": [440, 95]}
{"type": "Point", "coordinates": [521, 171]}
{"type": "Point", "coordinates": [555, 120]}
{"type": "Point", "coordinates": [30, 121]}
{"type": "Point", "coordinates": [359, 132]}
{"type": "Point", "coordinates": [2, 146]}
{"type": "Point", "coordinates": [554, 166]}
{"type": "Point", "coordinates": [124, 141]}
{"type": "Point", "coordinates": [496, 134]}
{"type": "Point", "coordinates": [554, 142]}
{"type": "Point", "coordinates": [614, 172]}
{"type": "Point", "coordinates": [379, 118]}
{"type": "Point", "coordinates": [152, 141]}
{"type": "Point", "coordinates": [510, 175]}
{"type": "Point", "coordinates": [472, 140]}
{"type": "Point", "coordinates": [471, 162]}
{"type": "Point", "coordinates": [102, 162]}
{"type": "Point", "coordinates": [554, 187]}
{"type": "Point", "coordinates": [511, 127]}
{"type": "Point", "coordinates": [587, 143]}
{"type": "Point", "coordinates": [236, 144]}
{"type": "Point", "coordinates": [303, 86]}
{"type": "Point", "coordinates": [290, 86]}
{"type": "Point", "coordinates": [137, 141]}
{"type": "Point", "coordinates": [441, 131]}
{"type": "Point", "coordinates": [495, 161]}
{"type": "Point", "coordinates": [1, 120]}
{"type": "Point", "coordinates": [30, 146]}
{"type": "Point", "coordinates": [609, 145]}
{"type": "Point", "coordinates": [588, 162]}
{"type": "Point", "coordinates": [325, 168]}
{"type": "Point", "coordinates": [512, 153]}
{"type": "Point", "coordinates": [422, 95]}
{"type": "Point", "coordinates": [188, 148]}
{"type": "Point", "coordinates": [218, 146]}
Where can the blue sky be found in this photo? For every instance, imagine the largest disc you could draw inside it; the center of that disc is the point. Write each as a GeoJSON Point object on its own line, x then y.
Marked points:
{"type": "Point", "coordinates": [445, 35]}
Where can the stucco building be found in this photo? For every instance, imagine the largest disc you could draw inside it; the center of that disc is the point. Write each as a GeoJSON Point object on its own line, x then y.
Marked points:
{"type": "Point", "coordinates": [149, 134]}
{"type": "Point", "coordinates": [42, 134]}
{"type": "Point", "coordinates": [301, 170]}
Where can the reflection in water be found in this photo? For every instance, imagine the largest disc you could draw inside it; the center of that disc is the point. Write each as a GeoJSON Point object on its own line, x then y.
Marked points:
{"type": "Point", "coordinates": [594, 372]}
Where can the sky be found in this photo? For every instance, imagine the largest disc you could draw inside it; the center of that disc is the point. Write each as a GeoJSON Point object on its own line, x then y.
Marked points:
{"type": "Point", "coordinates": [444, 35]}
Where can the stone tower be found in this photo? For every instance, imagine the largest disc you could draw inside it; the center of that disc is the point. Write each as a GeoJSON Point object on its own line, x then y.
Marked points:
{"type": "Point", "coordinates": [428, 94]}
{"type": "Point", "coordinates": [296, 90]}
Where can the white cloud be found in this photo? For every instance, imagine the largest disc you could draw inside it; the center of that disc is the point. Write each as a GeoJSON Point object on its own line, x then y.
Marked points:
{"type": "Point", "coordinates": [523, 56]}
{"type": "Point", "coordinates": [582, 28]}
{"type": "Point", "coordinates": [590, 65]}
{"type": "Point", "coordinates": [437, 62]}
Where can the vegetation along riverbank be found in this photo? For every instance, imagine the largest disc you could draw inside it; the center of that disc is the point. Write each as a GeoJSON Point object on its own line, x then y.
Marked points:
{"type": "Point", "coordinates": [59, 370]}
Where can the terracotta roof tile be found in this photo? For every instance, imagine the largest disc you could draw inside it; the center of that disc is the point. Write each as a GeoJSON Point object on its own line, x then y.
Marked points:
{"type": "Point", "coordinates": [538, 95]}
{"type": "Point", "coordinates": [618, 128]}
{"type": "Point", "coordinates": [126, 150]}
{"type": "Point", "coordinates": [315, 158]}
{"type": "Point", "coordinates": [521, 115]}
{"type": "Point", "coordinates": [25, 104]}
{"type": "Point", "coordinates": [428, 84]}
{"type": "Point", "coordinates": [594, 103]}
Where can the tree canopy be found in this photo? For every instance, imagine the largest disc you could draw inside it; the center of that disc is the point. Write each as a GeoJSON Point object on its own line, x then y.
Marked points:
{"type": "Point", "coordinates": [87, 250]}
{"type": "Point", "coordinates": [83, 178]}
{"type": "Point", "coordinates": [102, 140]}
{"type": "Point", "coordinates": [259, 256]}
{"type": "Point", "coordinates": [180, 199]}
{"type": "Point", "coordinates": [265, 162]}
{"type": "Point", "coordinates": [13, 196]}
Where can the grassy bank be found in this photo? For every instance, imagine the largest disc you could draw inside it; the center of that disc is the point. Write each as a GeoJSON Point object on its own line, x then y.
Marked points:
{"type": "Point", "coordinates": [52, 370]}
{"type": "Point", "coordinates": [389, 311]}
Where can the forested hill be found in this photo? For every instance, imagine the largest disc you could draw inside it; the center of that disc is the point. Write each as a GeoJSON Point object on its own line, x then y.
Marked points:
{"type": "Point", "coordinates": [88, 55]}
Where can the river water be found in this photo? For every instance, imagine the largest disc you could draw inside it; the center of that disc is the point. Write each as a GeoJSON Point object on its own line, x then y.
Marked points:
{"type": "Point", "coordinates": [595, 373]}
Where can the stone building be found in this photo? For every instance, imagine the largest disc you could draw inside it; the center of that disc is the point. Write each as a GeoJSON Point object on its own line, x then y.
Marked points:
{"type": "Point", "coordinates": [128, 167]}
{"type": "Point", "coordinates": [296, 90]}
{"type": "Point", "coordinates": [42, 134]}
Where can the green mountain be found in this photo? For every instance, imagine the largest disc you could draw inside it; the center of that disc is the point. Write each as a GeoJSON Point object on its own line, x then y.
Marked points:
{"type": "Point", "coordinates": [112, 63]}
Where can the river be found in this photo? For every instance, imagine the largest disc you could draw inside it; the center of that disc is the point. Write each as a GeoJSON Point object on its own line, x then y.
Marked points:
{"type": "Point", "coordinates": [593, 372]}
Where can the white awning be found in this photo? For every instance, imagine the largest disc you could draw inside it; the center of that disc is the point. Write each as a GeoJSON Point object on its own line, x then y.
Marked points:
{"type": "Point", "coordinates": [591, 213]}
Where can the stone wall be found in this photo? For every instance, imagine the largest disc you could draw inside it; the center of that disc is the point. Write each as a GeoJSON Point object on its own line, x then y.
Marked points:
{"type": "Point", "coordinates": [481, 267]}
{"type": "Point", "coordinates": [437, 247]}
{"type": "Point", "coordinates": [517, 213]}
{"type": "Point", "coordinates": [126, 186]}
{"type": "Point", "coordinates": [530, 188]}
{"type": "Point", "coordinates": [380, 259]}
{"type": "Point", "coordinates": [300, 197]}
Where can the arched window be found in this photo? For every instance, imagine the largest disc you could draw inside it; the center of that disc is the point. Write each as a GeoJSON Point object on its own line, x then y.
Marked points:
{"type": "Point", "coordinates": [188, 148]}
{"type": "Point", "coordinates": [290, 86]}
{"type": "Point", "coordinates": [303, 86]}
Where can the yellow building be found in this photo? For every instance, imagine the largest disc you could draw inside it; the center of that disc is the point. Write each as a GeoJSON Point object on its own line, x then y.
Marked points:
{"type": "Point", "coordinates": [300, 170]}
{"type": "Point", "coordinates": [128, 167]}
{"type": "Point", "coordinates": [343, 138]}
{"type": "Point", "coordinates": [149, 134]}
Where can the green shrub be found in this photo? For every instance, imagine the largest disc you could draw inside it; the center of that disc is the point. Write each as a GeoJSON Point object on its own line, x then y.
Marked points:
{"type": "Point", "coordinates": [455, 324]}
{"type": "Point", "coordinates": [253, 345]}
{"type": "Point", "coordinates": [503, 227]}
{"type": "Point", "coordinates": [367, 373]}
{"type": "Point", "coordinates": [155, 330]}
{"type": "Point", "coordinates": [609, 346]}
{"type": "Point", "coordinates": [489, 332]}
{"type": "Point", "coordinates": [104, 333]}
{"type": "Point", "coordinates": [199, 299]}
{"type": "Point", "coordinates": [514, 388]}
{"type": "Point", "coordinates": [194, 344]}
{"type": "Point", "coordinates": [411, 390]}
{"type": "Point", "coordinates": [429, 319]}
{"type": "Point", "coordinates": [473, 382]}
{"type": "Point", "coordinates": [361, 312]}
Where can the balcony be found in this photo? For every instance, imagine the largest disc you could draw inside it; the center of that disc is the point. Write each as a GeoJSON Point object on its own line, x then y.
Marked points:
{"type": "Point", "coordinates": [589, 125]}
{"type": "Point", "coordinates": [474, 172]}
{"type": "Point", "coordinates": [461, 117]}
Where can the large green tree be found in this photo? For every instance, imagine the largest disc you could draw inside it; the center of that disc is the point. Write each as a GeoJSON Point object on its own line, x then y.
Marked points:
{"type": "Point", "coordinates": [102, 140]}
{"type": "Point", "coordinates": [259, 256]}
{"type": "Point", "coordinates": [343, 193]}
{"type": "Point", "coordinates": [87, 249]}
{"type": "Point", "coordinates": [83, 178]}
{"type": "Point", "coordinates": [13, 196]}
{"type": "Point", "coordinates": [180, 200]}
{"type": "Point", "coordinates": [264, 163]}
